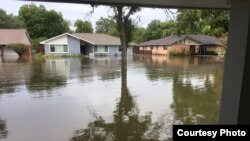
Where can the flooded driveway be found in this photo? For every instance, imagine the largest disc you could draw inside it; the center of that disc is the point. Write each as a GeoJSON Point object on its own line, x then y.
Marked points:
{"type": "Point", "coordinates": [73, 99]}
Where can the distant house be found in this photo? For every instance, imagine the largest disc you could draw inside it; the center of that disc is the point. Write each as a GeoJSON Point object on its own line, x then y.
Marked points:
{"type": "Point", "coordinates": [182, 44]}
{"type": "Point", "coordinates": [13, 36]}
{"type": "Point", "coordinates": [83, 43]}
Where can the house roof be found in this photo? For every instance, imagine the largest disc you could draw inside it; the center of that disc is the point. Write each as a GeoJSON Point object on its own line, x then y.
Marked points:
{"type": "Point", "coordinates": [202, 39]}
{"type": "Point", "coordinates": [92, 38]}
{"type": "Point", "coordinates": [98, 39]}
{"type": "Point", "coordinates": [8, 36]}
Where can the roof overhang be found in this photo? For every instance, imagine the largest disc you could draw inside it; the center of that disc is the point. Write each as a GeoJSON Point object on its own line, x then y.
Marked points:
{"type": "Point", "coordinates": [199, 4]}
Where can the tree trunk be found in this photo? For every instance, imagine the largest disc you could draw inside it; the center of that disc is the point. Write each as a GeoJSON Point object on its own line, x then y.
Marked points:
{"type": "Point", "coordinates": [123, 38]}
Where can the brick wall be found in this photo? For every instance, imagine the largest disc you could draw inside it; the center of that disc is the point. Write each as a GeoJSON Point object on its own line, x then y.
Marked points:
{"type": "Point", "coordinates": [179, 49]}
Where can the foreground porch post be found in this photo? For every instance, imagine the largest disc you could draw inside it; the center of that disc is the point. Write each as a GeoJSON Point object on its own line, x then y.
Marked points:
{"type": "Point", "coordinates": [235, 100]}
{"type": "Point", "coordinates": [1, 49]}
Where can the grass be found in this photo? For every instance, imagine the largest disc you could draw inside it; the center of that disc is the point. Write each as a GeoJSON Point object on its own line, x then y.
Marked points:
{"type": "Point", "coordinates": [40, 56]}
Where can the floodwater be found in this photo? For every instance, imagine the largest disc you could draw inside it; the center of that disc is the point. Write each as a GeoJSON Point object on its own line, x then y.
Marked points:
{"type": "Point", "coordinates": [73, 99]}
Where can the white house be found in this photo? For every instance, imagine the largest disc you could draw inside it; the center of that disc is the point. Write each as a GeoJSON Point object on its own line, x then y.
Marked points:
{"type": "Point", "coordinates": [84, 43]}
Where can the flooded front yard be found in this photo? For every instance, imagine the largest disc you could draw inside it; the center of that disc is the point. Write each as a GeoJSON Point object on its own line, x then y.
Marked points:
{"type": "Point", "coordinates": [73, 99]}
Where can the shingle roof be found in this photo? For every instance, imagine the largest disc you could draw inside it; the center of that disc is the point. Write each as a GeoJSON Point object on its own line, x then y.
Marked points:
{"type": "Point", "coordinates": [98, 39]}
{"type": "Point", "coordinates": [8, 36]}
{"type": "Point", "coordinates": [202, 39]}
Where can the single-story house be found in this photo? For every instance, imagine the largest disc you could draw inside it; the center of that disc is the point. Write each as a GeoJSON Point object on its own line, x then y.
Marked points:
{"type": "Point", "coordinates": [13, 36]}
{"type": "Point", "coordinates": [84, 43]}
{"type": "Point", "coordinates": [182, 44]}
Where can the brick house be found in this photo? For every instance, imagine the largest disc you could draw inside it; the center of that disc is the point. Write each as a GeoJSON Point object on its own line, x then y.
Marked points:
{"type": "Point", "coordinates": [182, 44]}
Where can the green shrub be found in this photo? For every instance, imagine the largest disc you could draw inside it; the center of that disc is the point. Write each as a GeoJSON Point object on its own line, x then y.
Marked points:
{"type": "Point", "coordinates": [18, 48]}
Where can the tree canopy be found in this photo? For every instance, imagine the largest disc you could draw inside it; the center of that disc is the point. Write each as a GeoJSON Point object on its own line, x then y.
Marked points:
{"type": "Point", "coordinates": [107, 26]}
{"type": "Point", "coordinates": [83, 26]}
{"type": "Point", "coordinates": [209, 22]}
{"type": "Point", "coordinates": [10, 21]}
{"type": "Point", "coordinates": [41, 22]}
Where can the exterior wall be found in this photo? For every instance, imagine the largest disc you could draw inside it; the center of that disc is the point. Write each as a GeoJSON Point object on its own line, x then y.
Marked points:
{"type": "Point", "coordinates": [113, 50]}
{"type": "Point", "coordinates": [130, 51]}
{"type": "Point", "coordinates": [74, 45]}
{"type": "Point", "coordinates": [46, 49]}
{"type": "Point", "coordinates": [59, 40]}
{"type": "Point", "coordinates": [158, 50]}
{"type": "Point", "coordinates": [179, 49]}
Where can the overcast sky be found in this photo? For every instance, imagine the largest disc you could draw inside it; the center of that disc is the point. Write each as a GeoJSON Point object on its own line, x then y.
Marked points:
{"type": "Point", "coordinates": [79, 11]}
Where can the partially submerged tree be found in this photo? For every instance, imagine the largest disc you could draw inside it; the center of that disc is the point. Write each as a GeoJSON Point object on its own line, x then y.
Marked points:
{"type": "Point", "coordinates": [125, 25]}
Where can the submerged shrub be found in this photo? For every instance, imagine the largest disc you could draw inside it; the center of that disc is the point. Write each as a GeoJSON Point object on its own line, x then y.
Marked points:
{"type": "Point", "coordinates": [18, 48]}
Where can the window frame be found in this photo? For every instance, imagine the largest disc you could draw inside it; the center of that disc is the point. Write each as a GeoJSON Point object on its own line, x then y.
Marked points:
{"type": "Point", "coordinates": [62, 45]}
{"type": "Point", "coordinates": [106, 48]}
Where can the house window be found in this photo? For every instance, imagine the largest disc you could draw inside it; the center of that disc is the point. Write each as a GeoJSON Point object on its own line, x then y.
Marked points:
{"type": "Point", "coordinates": [59, 48]}
{"type": "Point", "coordinates": [101, 49]}
{"type": "Point", "coordinates": [151, 48]}
{"type": "Point", "coordinates": [65, 48]}
{"type": "Point", "coordinates": [106, 48]}
{"type": "Point", "coordinates": [120, 48]}
{"type": "Point", "coordinates": [52, 48]}
{"type": "Point", "coordinates": [165, 47]}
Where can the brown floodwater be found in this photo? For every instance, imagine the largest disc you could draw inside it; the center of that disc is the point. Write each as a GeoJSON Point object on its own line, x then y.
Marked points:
{"type": "Point", "coordinates": [78, 99]}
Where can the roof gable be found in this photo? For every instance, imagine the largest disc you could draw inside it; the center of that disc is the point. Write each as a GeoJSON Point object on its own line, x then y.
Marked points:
{"type": "Point", "coordinates": [59, 36]}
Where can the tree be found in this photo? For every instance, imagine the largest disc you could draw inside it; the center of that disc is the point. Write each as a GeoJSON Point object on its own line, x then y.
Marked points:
{"type": "Point", "coordinates": [153, 30]}
{"type": "Point", "coordinates": [83, 26]}
{"type": "Point", "coordinates": [125, 26]}
{"type": "Point", "coordinates": [168, 28]}
{"type": "Point", "coordinates": [42, 23]}
{"type": "Point", "coordinates": [189, 21]}
{"type": "Point", "coordinates": [138, 35]}
{"type": "Point", "coordinates": [107, 26]}
{"type": "Point", "coordinates": [209, 22]}
{"type": "Point", "coordinates": [10, 21]}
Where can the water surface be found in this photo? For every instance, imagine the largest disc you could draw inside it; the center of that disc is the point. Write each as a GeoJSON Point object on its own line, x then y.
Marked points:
{"type": "Point", "coordinates": [79, 99]}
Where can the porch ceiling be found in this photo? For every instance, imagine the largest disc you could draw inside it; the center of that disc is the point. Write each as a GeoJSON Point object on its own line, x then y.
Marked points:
{"type": "Point", "coordinates": [215, 4]}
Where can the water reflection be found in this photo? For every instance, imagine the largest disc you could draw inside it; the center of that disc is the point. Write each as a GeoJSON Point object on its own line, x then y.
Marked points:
{"type": "Point", "coordinates": [197, 105]}
{"type": "Point", "coordinates": [12, 76]}
{"type": "Point", "coordinates": [197, 84]}
{"type": "Point", "coordinates": [127, 125]}
{"type": "Point", "coordinates": [3, 129]}
{"type": "Point", "coordinates": [44, 77]}
{"type": "Point", "coordinates": [158, 92]}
